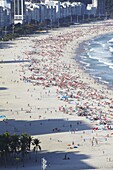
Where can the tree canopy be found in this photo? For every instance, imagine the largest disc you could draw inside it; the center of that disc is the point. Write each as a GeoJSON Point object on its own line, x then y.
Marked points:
{"type": "Point", "coordinates": [16, 146]}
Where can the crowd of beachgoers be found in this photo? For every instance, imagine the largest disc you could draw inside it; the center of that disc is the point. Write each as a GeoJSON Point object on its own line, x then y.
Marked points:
{"type": "Point", "coordinates": [49, 95]}
{"type": "Point", "coordinates": [49, 68]}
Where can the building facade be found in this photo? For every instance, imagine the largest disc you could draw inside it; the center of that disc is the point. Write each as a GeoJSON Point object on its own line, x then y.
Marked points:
{"type": "Point", "coordinates": [22, 11]}
{"type": "Point", "coordinates": [5, 13]}
{"type": "Point", "coordinates": [101, 7]}
{"type": "Point", "coordinates": [19, 11]}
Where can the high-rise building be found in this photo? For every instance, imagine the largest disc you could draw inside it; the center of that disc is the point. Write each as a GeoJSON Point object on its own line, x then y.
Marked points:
{"type": "Point", "coordinates": [83, 1]}
{"type": "Point", "coordinates": [94, 3]}
{"type": "Point", "coordinates": [101, 7]}
{"type": "Point", "coordinates": [5, 13]}
{"type": "Point", "coordinates": [19, 11]}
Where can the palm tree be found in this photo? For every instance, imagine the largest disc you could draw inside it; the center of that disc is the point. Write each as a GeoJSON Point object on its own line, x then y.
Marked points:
{"type": "Point", "coordinates": [29, 144]}
{"type": "Point", "coordinates": [1, 148]}
{"type": "Point", "coordinates": [36, 143]}
{"type": "Point", "coordinates": [15, 146]}
{"type": "Point", "coordinates": [15, 143]}
{"type": "Point", "coordinates": [25, 144]}
{"type": "Point", "coordinates": [6, 139]}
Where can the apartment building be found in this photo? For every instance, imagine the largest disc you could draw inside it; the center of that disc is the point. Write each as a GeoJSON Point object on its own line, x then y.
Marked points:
{"type": "Point", "coordinates": [5, 13]}
{"type": "Point", "coordinates": [101, 7]}
{"type": "Point", "coordinates": [19, 11]}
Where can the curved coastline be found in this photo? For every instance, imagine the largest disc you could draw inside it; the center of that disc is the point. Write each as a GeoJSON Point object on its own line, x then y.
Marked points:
{"type": "Point", "coordinates": [80, 49]}
{"type": "Point", "coordinates": [83, 46]}
{"type": "Point", "coordinates": [40, 104]}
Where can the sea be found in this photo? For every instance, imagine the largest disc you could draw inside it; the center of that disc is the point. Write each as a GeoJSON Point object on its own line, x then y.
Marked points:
{"type": "Point", "coordinates": [96, 58]}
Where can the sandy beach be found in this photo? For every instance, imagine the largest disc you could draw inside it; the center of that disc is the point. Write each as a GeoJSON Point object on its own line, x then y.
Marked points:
{"type": "Point", "coordinates": [45, 93]}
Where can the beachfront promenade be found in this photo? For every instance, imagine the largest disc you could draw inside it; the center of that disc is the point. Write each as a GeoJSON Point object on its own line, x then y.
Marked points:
{"type": "Point", "coordinates": [52, 98]}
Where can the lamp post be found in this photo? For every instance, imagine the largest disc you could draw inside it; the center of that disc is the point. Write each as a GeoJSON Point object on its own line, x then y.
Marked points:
{"type": "Point", "coordinates": [13, 29]}
{"type": "Point", "coordinates": [58, 12]}
{"type": "Point", "coordinates": [106, 15]}
{"type": "Point", "coordinates": [5, 30]}
{"type": "Point", "coordinates": [88, 14]}
{"type": "Point", "coordinates": [83, 17]}
{"type": "Point", "coordinates": [51, 23]}
{"type": "Point", "coordinates": [51, 17]}
{"type": "Point", "coordinates": [77, 18]}
{"type": "Point", "coordinates": [71, 19]}
{"type": "Point", "coordinates": [17, 160]}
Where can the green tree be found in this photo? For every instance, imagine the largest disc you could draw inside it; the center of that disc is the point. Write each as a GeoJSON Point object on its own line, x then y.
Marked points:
{"type": "Point", "coordinates": [15, 143]}
{"type": "Point", "coordinates": [24, 139]}
{"type": "Point", "coordinates": [5, 140]}
{"type": "Point", "coordinates": [36, 143]}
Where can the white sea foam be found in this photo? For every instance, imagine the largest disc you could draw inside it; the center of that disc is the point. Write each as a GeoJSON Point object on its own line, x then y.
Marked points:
{"type": "Point", "coordinates": [111, 49]}
{"type": "Point", "coordinates": [92, 49]}
{"type": "Point", "coordinates": [89, 69]}
{"type": "Point", "coordinates": [97, 77]}
{"type": "Point", "coordinates": [100, 79]}
{"type": "Point", "coordinates": [84, 57]}
{"type": "Point", "coordinates": [102, 44]}
{"type": "Point", "coordinates": [101, 64]}
{"type": "Point", "coordinates": [99, 43]}
{"type": "Point", "coordinates": [98, 59]}
{"type": "Point", "coordinates": [108, 63]}
{"type": "Point", "coordinates": [105, 82]}
{"type": "Point", "coordinates": [111, 40]}
{"type": "Point", "coordinates": [111, 67]}
{"type": "Point", "coordinates": [83, 62]}
{"type": "Point", "coordinates": [86, 64]}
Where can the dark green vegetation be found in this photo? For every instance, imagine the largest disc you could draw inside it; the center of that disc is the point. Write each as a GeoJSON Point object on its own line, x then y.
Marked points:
{"type": "Point", "coordinates": [18, 30]}
{"type": "Point", "coordinates": [15, 148]}
{"type": "Point", "coordinates": [12, 32]}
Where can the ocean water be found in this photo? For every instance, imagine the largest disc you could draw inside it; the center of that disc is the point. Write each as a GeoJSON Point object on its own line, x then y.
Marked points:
{"type": "Point", "coordinates": [97, 58]}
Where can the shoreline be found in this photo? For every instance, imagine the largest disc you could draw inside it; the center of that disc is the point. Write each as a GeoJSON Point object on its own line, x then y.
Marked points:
{"type": "Point", "coordinates": [82, 65]}
{"type": "Point", "coordinates": [39, 104]}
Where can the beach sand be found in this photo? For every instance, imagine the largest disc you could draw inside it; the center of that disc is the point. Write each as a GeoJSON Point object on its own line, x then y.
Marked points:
{"type": "Point", "coordinates": [43, 98]}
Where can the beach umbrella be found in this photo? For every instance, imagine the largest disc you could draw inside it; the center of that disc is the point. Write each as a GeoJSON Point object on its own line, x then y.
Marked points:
{"type": "Point", "coordinates": [2, 116]}
{"type": "Point", "coordinates": [75, 147]}
{"type": "Point", "coordinates": [68, 145]}
{"type": "Point", "coordinates": [64, 97]}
